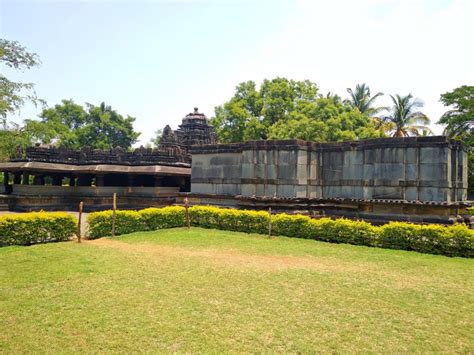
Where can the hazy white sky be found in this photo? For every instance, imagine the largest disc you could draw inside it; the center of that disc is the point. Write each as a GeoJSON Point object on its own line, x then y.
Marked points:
{"type": "Point", "coordinates": [156, 60]}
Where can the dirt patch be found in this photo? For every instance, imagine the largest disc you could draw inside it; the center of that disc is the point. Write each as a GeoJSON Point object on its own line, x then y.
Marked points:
{"type": "Point", "coordinates": [237, 259]}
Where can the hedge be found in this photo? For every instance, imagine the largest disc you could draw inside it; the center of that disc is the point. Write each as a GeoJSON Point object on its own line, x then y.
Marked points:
{"type": "Point", "coordinates": [455, 240]}
{"type": "Point", "coordinates": [36, 227]}
{"type": "Point", "coordinates": [470, 211]}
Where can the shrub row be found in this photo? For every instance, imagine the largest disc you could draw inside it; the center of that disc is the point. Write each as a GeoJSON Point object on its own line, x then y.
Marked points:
{"type": "Point", "coordinates": [455, 240]}
{"type": "Point", "coordinates": [36, 227]}
{"type": "Point", "coordinates": [100, 223]}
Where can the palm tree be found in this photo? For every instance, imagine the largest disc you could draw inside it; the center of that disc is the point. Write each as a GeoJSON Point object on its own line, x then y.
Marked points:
{"type": "Point", "coordinates": [406, 118]}
{"type": "Point", "coordinates": [360, 99]}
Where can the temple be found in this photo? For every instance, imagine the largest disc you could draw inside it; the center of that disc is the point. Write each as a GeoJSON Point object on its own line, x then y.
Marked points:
{"type": "Point", "coordinates": [419, 179]}
{"type": "Point", "coordinates": [58, 178]}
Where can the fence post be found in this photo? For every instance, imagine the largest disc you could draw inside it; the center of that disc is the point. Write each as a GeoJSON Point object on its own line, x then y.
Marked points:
{"type": "Point", "coordinates": [186, 207]}
{"type": "Point", "coordinates": [79, 221]}
{"type": "Point", "coordinates": [114, 208]}
{"type": "Point", "coordinates": [269, 222]}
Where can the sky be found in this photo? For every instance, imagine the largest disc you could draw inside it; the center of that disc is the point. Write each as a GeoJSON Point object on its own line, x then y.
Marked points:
{"type": "Point", "coordinates": [157, 60]}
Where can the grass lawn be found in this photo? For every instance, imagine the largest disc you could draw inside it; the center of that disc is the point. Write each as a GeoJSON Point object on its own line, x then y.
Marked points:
{"type": "Point", "coordinates": [205, 290]}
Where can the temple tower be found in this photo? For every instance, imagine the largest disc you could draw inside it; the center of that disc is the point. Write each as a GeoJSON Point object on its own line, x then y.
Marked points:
{"type": "Point", "coordinates": [194, 130]}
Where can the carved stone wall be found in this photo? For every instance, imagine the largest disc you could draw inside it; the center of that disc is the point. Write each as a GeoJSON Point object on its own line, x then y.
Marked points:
{"type": "Point", "coordinates": [408, 169]}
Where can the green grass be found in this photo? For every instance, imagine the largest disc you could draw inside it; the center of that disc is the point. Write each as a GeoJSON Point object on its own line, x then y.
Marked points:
{"type": "Point", "coordinates": [196, 290]}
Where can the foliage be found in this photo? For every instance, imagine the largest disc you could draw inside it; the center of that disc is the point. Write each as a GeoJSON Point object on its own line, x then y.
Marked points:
{"type": "Point", "coordinates": [361, 99]}
{"type": "Point", "coordinates": [36, 227]}
{"type": "Point", "coordinates": [459, 121]}
{"type": "Point", "coordinates": [406, 117]}
{"type": "Point", "coordinates": [452, 241]}
{"type": "Point", "coordinates": [100, 223]}
{"type": "Point", "coordinates": [166, 217]}
{"type": "Point", "coordinates": [14, 95]}
{"type": "Point", "coordinates": [470, 211]}
{"type": "Point", "coordinates": [71, 125]}
{"type": "Point", "coordinates": [229, 219]}
{"type": "Point", "coordinates": [284, 109]}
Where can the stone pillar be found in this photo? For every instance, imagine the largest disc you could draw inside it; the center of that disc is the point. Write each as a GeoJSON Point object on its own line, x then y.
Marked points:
{"type": "Point", "coordinates": [26, 178]}
{"type": "Point", "coordinates": [17, 178]}
{"type": "Point", "coordinates": [99, 180]}
{"type": "Point", "coordinates": [6, 177]}
{"type": "Point", "coordinates": [84, 180]}
{"type": "Point", "coordinates": [57, 180]}
{"type": "Point", "coordinates": [158, 181]}
{"type": "Point", "coordinates": [72, 181]}
{"type": "Point", "coordinates": [38, 180]}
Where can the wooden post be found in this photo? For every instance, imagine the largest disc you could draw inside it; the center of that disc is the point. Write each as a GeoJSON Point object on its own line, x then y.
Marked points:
{"type": "Point", "coordinates": [269, 222]}
{"type": "Point", "coordinates": [186, 207]}
{"type": "Point", "coordinates": [114, 209]}
{"type": "Point", "coordinates": [79, 220]}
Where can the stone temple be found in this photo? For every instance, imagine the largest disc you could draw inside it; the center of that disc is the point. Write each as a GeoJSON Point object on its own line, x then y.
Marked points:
{"type": "Point", "coordinates": [420, 179]}
{"type": "Point", "coordinates": [59, 178]}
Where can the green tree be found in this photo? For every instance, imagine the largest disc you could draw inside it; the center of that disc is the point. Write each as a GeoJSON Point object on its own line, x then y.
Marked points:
{"type": "Point", "coordinates": [406, 118]}
{"type": "Point", "coordinates": [361, 99]}
{"type": "Point", "coordinates": [69, 124]}
{"type": "Point", "coordinates": [284, 109]}
{"type": "Point", "coordinates": [459, 121]}
{"type": "Point", "coordinates": [13, 95]}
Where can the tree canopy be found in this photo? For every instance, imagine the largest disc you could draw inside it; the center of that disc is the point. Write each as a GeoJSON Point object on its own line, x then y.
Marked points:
{"type": "Point", "coordinates": [406, 118]}
{"type": "Point", "coordinates": [283, 109]}
{"type": "Point", "coordinates": [459, 120]}
{"type": "Point", "coordinates": [13, 95]}
{"type": "Point", "coordinates": [73, 126]}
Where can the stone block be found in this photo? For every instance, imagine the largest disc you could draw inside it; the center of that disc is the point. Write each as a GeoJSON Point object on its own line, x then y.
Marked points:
{"type": "Point", "coordinates": [247, 157]}
{"type": "Point", "coordinates": [286, 157]}
{"type": "Point", "coordinates": [225, 159]}
{"type": "Point", "coordinates": [411, 172]}
{"type": "Point", "coordinates": [302, 172]}
{"type": "Point", "coordinates": [300, 191]}
{"type": "Point", "coordinates": [383, 192]}
{"type": "Point", "coordinates": [433, 155]}
{"type": "Point", "coordinates": [411, 155]}
{"type": "Point", "coordinates": [388, 171]}
{"type": "Point", "coordinates": [286, 172]}
{"type": "Point", "coordinates": [368, 171]}
{"type": "Point", "coordinates": [232, 171]}
{"type": "Point", "coordinates": [332, 191]}
{"type": "Point", "coordinates": [272, 157]}
{"type": "Point", "coordinates": [433, 194]}
{"type": "Point", "coordinates": [390, 155]}
{"type": "Point", "coordinates": [200, 188]}
{"type": "Point", "coordinates": [229, 189]}
{"type": "Point", "coordinates": [247, 189]}
{"type": "Point", "coordinates": [286, 191]}
{"type": "Point", "coordinates": [433, 172]}
{"type": "Point", "coordinates": [369, 156]}
{"type": "Point", "coordinates": [270, 190]}
{"type": "Point", "coordinates": [259, 190]}
{"type": "Point", "coordinates": [411, 193]}
{"type": "Point", "coordinates": [353, 172]}
{"type": "Point", "coordinates": [302, 157]}
{"type": "Point", "coordinates": [261, 156]}
{"type": "Point", "coordinates": [248, 171]}
{"type": "Point", "coordinates": [260, 171]}
{"type": "Point", "coordinates": [352, 157]}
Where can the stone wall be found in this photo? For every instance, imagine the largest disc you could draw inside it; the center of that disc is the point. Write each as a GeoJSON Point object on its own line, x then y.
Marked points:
{"type": "Point", "coordinates": [410, 168]}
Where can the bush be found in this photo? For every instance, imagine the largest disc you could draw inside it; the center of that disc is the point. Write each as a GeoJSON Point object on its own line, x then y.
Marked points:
{"type": "Point", "coordinates": [100, 223]}
{"type": "Point", "coordinates": [36, 227]}
{"type": "Point", "coordinates": [470, 211]}
{"type": "Point", "coordinates": [166, 217]}
{"type": "Point", "coordinates": [434, 239]}
{"type": "Point", "coordinates": [229, 219]}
